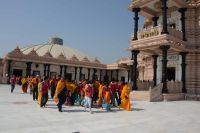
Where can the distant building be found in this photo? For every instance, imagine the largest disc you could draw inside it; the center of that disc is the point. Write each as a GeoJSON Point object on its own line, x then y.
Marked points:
{"type": "Point", "coordinates": [54, 59]}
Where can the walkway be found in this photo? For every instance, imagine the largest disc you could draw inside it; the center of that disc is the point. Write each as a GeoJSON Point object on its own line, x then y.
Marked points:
{"type": "Point", "coordinates": [19, 114]}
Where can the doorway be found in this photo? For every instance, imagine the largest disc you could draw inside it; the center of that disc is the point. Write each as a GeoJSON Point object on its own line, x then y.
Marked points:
{"type": "Point", "coordinates": [68, 76]}
{"type": "Point", "coordinates": [17, 72]}
{"type": "Point", "coordinates": [171, 73]}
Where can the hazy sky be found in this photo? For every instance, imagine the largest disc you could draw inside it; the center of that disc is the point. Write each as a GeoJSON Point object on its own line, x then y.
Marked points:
{"type": "Point", "coordinates": [99, 28]}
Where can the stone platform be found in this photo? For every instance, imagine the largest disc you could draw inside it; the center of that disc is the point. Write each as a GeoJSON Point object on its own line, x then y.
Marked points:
{"type": "Point", "coordinates": [19, 114]}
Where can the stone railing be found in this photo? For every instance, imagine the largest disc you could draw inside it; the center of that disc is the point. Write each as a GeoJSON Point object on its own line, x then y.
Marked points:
{"type": "Point", "coordinates": [155, 31]}
{"type": "Point", "coordinates": [156, 93]}
{"type": "Point", "coordinates": [174, 87]}
{"type": "Point", "coordinates": [175, 33]}
{"type": "Point", "coordinates": [144, 85]}
{"type": "Point", "coordinates": [174, 92]}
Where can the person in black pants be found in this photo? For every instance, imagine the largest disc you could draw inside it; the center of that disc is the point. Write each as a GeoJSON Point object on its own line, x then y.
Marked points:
{"type": "Point", "coordinates": [35, 82]}
{"type": "Point", "coordinates": [62, 98]}
{"type": "Point", "coordinates": [53, 87]}
{"type": "Point", "coordinates": [60, 94]}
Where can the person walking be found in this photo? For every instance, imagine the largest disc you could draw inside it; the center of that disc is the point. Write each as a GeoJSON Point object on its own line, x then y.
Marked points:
{"type": "Point", "coordinates": [35, 82]}
{"type": "Point", "coordinates": [12, 83]}
{"type": "Point", "coordinates": [60, 93]}
{"type": "Point", "coordinates": [43, 92]}
{"type": "Point", "coordinates": [88, 97]}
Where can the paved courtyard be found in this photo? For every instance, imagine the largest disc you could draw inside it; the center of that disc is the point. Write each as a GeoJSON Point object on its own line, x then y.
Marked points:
{"type": "Point", "coordinates": [19, 114]}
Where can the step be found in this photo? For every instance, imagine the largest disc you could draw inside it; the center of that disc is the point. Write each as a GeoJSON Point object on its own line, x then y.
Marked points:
{"type": "Point", "coordinates": [192, 97]}
{"type": "Point", "coordinates": [140, 95]}
{"type": "Point", "coordinates": [174, 96]}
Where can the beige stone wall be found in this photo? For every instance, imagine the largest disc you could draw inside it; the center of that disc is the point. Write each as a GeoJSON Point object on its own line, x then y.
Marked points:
{"type": "Point", "coordinates": [193, 73]}
{"type": "Point", "coordinates": [148, 71]}
{"type": "Point", "coordinates": [193, 27]}
{"type": "Point", "coordinates": [1, 73]}
{"type": "Point", "coordinates": [198, 27]}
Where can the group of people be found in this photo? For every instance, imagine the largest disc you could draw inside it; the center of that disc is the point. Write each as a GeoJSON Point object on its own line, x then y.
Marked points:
{"type": "Point", "coordinates": [84, 93]}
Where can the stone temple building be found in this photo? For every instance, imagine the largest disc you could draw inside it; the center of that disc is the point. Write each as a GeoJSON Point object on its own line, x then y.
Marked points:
{"type": "Point", "coordinates": [166, 50]}
{"type": "Point", "coordinates": [165, 54]}
{"type": "Point", "coordinates": [54, 59]}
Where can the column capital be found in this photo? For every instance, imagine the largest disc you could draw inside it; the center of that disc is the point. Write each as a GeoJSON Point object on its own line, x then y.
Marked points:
{"type": "Point", "coordinates": [28, 63]}
{"type": "Point", "coordinates": [164, 47]}
{"type": "Point", "coordinates": [155, 18]}
{"type": "Point", "coordinates": [182, 10]}
{"type": "Point", "coordinates": [134, 54]}
{"type": "Point", "coordinates": [155, 56]}
{"type": "Point", "coordinates": [155, 21]}
{"type": "Point", "coordinates": [136, 10]}
{"type": "Point", "coordinates": [183, 53]}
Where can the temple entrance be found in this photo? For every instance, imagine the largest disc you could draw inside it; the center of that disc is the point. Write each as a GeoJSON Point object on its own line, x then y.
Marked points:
{"type": "Point", "coordinates": [35, 73]}
{"type": "Point", "coordinates": [123, 79]}
{"type": "Point", "coordinates": [53, 74]}
{"type": "Point", "coordinates": [106, 78]}
{"type": "Point", "coordinates": [17, 72]}
{"type": "Point", "coordinates": [171, 73]}
{"type": "Point", "coordinates": [68, 76]}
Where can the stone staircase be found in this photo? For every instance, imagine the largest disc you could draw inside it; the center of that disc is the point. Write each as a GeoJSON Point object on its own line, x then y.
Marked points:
{"type": "Point", "coordinates": [192, 97]}
{"type": "Point", "coordinates": [140, 95]}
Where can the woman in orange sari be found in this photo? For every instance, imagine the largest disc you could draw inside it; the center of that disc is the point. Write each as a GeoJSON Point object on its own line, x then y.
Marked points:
{"type": "Point", "coordinates": [107, 98]}
{"type": "Point", "coordinates": [24, 84]}
{"type": "Point", "coordinates": [125, 98]}
{"type": "Point", "coordinates": [60, 94]}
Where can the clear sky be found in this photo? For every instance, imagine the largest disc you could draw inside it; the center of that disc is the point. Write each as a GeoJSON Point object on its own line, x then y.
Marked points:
{"type": "Point", "coordinates": [99, 28]}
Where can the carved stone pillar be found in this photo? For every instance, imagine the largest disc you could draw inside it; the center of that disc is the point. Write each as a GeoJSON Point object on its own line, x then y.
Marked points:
{"type": "Point", "coordinates": [75, 73]}
{"type": "Point", "coordinates": [111, 75]}
{"type": "Point", "coordinates": [45, 69]}
{"type": "Point", "coordinates": [88, 74]}
{"type": "Point", "coordinates": [182, 11]}
{"type": "Point", "coordinates": [28, 68]}
{"type": "Point", "coordinates": [164, 16]}
{"type": "Point", "coordinates": [117, 74]}
{"type": "Point", "coordinates": [128, 75]}
{"type": "Point", "coordinates": [136, 18]}
{"type": "Point", "coordinates": [164, 49]}
{"type": "Point", "coordinates": [155, 69]}
{"type": "Point", "coordinates": [80, 73]}
{"type": "Point", "coordinates": [134, 69]}
{"type": "Point", "coordinates": [100, 78]}
{"type": "Point", "coordinates": [183, 67]}
{"type": "Point", "coordinates": [61, 70]}
{"type": "Point", "coordinates": [9, 68]}
{"type": "Point", "coordinates": [94, 74]}
{"type": "Point", "coordinates": [65, 71]}
{"type": "Point", "coordinates": [48, 70]}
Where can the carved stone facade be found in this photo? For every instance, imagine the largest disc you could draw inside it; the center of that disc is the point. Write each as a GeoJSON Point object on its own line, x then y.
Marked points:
{"type": "Point", "coordinates": [171, 31]}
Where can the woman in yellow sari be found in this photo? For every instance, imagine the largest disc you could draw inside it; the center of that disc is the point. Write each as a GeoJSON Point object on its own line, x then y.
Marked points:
{"type": "Point", "coordinates": [24, 84]}
{"type": "Point", "coordinates": [125, 98]}
{"type": "Point", "coordinates": [100, 95]}
{"type": "Point", "coordinates": [60, 94]}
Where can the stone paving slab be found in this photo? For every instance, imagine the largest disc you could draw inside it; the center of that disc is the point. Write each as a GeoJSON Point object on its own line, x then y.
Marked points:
{"type": "Point", "coordinates": [19, 114]}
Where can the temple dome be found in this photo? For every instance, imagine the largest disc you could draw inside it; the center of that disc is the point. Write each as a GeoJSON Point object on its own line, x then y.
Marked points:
{"type": "Point", "coordinates": [55, 50]}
